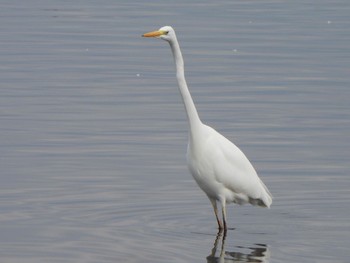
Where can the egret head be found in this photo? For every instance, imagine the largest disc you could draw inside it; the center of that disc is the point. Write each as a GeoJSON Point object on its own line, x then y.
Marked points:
{"type": "Point", "coordinates": [166, 33]}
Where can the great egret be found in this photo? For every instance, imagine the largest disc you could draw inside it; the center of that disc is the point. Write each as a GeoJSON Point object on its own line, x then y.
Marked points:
{"type": "Point", "coordinates": [218, 166]}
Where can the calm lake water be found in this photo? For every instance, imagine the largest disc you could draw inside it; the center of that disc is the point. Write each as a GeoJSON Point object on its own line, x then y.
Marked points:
{"type": "Point", "coordinates": [93, 133]}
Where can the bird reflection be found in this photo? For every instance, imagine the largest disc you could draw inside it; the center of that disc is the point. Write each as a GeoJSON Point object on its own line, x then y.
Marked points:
{"type": "Point", "coordinates": [253, 254]}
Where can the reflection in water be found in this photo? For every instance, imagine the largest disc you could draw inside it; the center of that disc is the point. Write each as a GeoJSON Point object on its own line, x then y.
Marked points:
{"type": "Point", "coordinates": [253, 254]}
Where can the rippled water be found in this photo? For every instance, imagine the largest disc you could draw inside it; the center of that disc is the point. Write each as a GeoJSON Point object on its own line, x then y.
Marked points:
{"type": "Point", "coordinates": [93, 132]}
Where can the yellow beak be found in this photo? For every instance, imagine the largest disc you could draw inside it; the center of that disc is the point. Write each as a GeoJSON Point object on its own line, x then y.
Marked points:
{"type": "Point", "coordinates": [157, 33]}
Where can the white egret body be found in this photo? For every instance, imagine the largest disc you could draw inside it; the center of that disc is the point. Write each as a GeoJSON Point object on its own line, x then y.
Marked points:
{"type": "Point", "coordinates": [218, 166]}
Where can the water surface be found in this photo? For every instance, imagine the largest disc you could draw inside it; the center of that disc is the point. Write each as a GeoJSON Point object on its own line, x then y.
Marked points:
{"type": "Point", "coordinates": [93, 133]}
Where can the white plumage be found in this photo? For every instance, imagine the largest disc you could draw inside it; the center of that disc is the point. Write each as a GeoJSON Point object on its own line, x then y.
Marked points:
{"type": "Point", "coordinates": [218, 166]}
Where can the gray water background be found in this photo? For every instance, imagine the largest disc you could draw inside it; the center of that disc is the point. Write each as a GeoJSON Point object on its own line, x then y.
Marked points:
{"type": "Point", "coordinates": [93, 133]}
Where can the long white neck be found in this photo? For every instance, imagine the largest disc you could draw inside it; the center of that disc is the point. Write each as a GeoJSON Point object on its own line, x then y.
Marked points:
{"type": "Point", "coordinates": [192, 114]}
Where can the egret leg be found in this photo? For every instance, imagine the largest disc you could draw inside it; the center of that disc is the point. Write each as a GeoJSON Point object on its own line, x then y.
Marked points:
{"type": "Point", "coordinates": [213, 202]}
{"type": "Point", "coordinates": [223, 204]}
